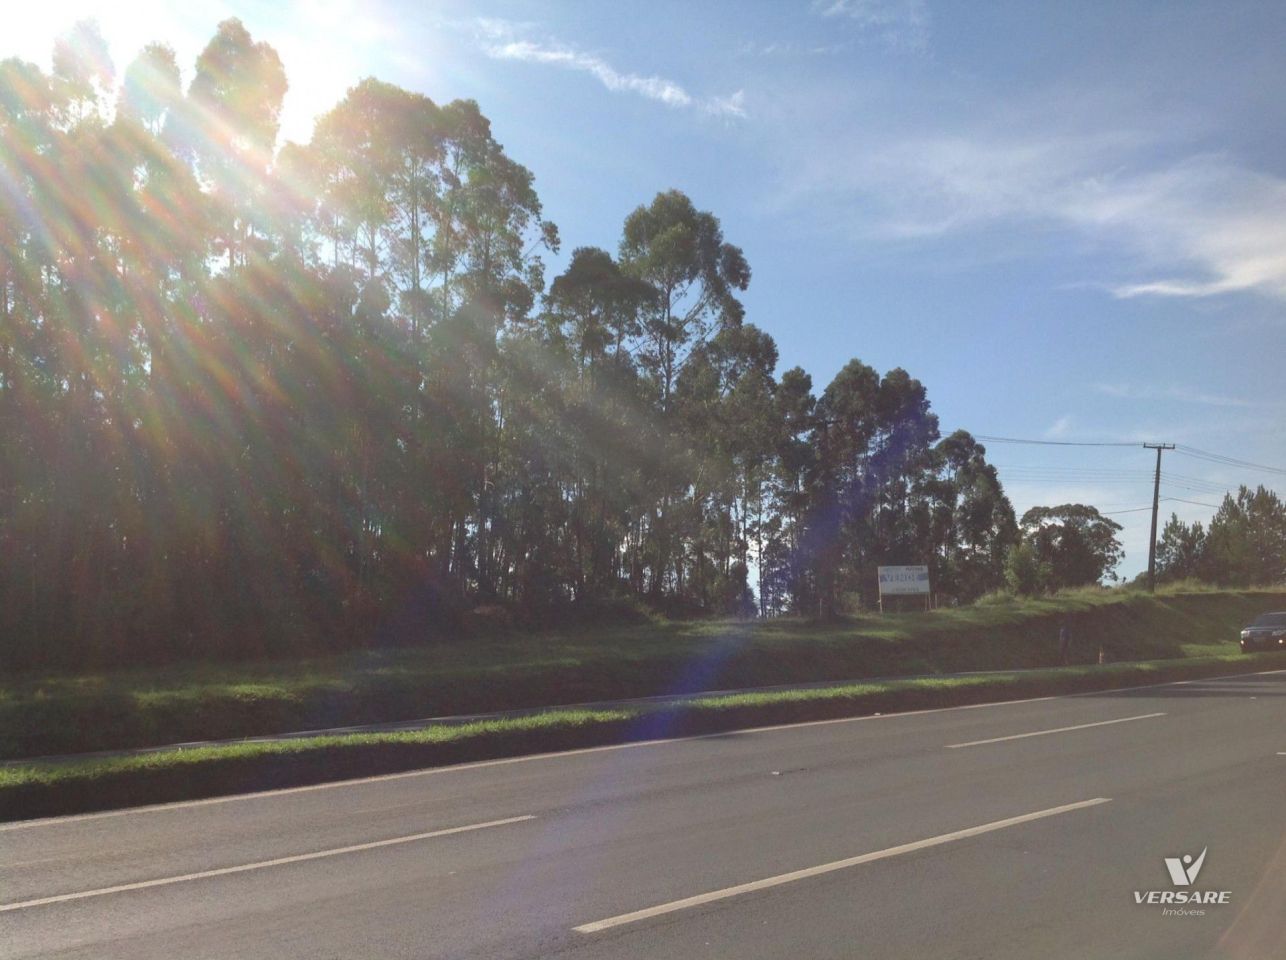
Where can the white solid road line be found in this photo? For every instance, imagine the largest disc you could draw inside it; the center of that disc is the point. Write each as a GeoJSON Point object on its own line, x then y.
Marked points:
{"type": "Point", "coordinates": [262, 864]}
{"type": "Point", "coordinates": [1042, 733]}
{"type": "Point", "coordinates": [703, 898]}
{"type": "Point", "coordinates": [557, 754]}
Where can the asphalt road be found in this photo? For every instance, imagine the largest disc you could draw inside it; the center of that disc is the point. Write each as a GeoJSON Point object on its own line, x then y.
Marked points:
{"type": "Point", "coordinates": [1014, 830]}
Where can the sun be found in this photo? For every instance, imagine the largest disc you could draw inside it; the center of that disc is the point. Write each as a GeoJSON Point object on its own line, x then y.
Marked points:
{"type": "Point", "coordinates": [326, 47]}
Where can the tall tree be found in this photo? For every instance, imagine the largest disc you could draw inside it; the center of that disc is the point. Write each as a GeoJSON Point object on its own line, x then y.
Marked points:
{"type": "Point", "coordinates": [231, 124]}
{"type": "Point", "coordinates": [260, 401]}
{"type": "Point", "coordinates": [694, 275]}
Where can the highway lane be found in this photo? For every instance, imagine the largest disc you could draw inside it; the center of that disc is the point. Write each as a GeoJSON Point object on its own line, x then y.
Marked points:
{"type": "Point", "coordinates": [365, 869]}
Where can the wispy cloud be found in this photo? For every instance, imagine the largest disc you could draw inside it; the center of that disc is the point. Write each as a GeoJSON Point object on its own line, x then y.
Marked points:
{"type": "Point", "coordinates": [1122, 391]}
{"type": "Point", "coordinates": [1192, 226]}
{"type": "Point", "coordinates": [903, 23]}
{"type": "Point", "coordinates": [779, 48]}
{"type": "Point", "coordinates": [1226, 224]}
{"type": "Point", "coordinates": [505, 40]}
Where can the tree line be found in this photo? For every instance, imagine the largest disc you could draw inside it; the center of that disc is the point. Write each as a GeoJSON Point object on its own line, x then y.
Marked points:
{"type": "Point", "coordinates": [1244, 544]}
{"type": "Point", "coordinates": [268, 399]}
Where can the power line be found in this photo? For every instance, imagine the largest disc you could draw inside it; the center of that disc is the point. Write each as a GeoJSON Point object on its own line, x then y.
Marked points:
{"type": "Point", "coordinates": [1181, 481]}
{"type": "Point", "coordinates": [1194, 487]}
{"type": "Point", "coordinates": [1060, 470]}
{"type": "Point", "coordinates": [1037, 474]}
{"type": "Point", "coordinates": [1190, 479]}
{"type": "Point", "coordinates": [1195, 503]}
{"type": "Point", "coordinates": [1184, 449]}
{"type": "Point", "coordinates": [1073, 471]}
{"type": "Point", "coordinates": [1088, 481]}
{"type": "Point", "coordinates": [1052, 443]}
{"type": "Point", "coordinates": [1226, 460]}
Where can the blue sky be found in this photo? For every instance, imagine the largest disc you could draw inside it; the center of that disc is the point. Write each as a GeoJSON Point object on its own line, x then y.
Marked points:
{"type": "Point", "coordinates": [1067, 220]}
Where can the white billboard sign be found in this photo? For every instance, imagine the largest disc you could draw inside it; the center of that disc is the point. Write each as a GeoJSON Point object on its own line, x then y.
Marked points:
{"type": "Point", "coordinates": [914, 579]}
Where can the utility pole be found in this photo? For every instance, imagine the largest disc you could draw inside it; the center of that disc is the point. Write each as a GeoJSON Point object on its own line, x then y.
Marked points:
{"type": "Point", "coordinates": [1156, 503]}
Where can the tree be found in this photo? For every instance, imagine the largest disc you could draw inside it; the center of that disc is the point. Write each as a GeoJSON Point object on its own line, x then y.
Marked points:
{"type": "Point", "coordinates": [151, 94]}
{"type": "Point", "coordinates": [786, 580]}
{"type": "Point", "coordinates": [1025, 573]}
{"type": "Point", "coordinates": [231, 123]}
{"type": "Point", "coordinates": [1246, 541]}
{"type": "Point", "coordinates": [724, 404]}
{"type": "Point", "coordinates": [1180, 550]}
{"type": "Point", "coordinates": [1075, 541]}
{"type": "Point", "coordinates": [258, 400]}
{"type": "Point", "coordinates": [680, 253]}
{"type": "Point", "coordinates": [872, 434]}
{"type": "Point", "coordinates": [82, 71]}
{"type": "Point", "coordinates": [966, 518]}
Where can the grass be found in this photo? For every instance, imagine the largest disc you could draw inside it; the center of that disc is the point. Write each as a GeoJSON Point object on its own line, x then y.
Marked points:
{"type": "Point", "coordinates": [42, 789]}
{"type": "Point", "coordinates": [64, 713]}
{"type": "Point", "coordinates": [47, 774]}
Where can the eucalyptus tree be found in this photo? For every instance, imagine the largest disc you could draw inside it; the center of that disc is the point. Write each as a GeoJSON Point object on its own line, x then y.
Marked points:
{"type": "Point", "coordinates": [231, 123]}
{"type": "Point", "coordinates": [966, 523]}
{"type": "Point", "coordinates": [29, 363]}
{"type": "Point", "coordinates": [353, 159]}
{"type": "Point", "coordinates": [592, 321]}
{"type": "Point", "coordinates": [259, 400]}
{"type": "Point", "coordinates": [785, 573]}
{"type": "Point", "coordinates": [725, 403]}
{"type": "Point", "coordinates": [841, 489]}
{"type": "Point", "coordinates": [680, 253]}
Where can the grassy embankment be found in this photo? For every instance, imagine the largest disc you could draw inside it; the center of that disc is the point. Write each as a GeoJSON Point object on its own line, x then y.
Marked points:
{"type": "Point", "coordinates": [54, 788]}
{"type": "Point", "coordinates": [142, 707]}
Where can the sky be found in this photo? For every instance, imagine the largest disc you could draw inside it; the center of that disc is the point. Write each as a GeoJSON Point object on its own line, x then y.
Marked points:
{"type": "Point", "coordinates": [1067, 220]}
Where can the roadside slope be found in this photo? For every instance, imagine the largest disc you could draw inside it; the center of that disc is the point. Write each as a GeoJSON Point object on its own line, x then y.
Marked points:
{"type": "Point", "coordinates": [138, 708]}
{"type": "Point", "coordinates": [73, 786]}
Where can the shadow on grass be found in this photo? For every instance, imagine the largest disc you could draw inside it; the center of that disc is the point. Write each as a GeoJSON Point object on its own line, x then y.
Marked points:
{"type": "Point", "coordinates": [36, 791]}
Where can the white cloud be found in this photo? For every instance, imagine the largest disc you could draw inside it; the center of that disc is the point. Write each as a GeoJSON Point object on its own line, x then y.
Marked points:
{"type": "Point", "coordinates": [1059, 428]}
{"type": "Point", "coordinates": [895, 22]}
{"type": "Point", "coordinates": [1212, 225]}
{"type": "Point", "coordinates": [1197, 226]}
{"type": "Point", "coordinates": [501, 41]}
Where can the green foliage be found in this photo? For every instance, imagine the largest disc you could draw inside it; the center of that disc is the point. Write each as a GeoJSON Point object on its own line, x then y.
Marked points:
{"type": "Point", "coordinates": [270, 400]}
{"type": "Point", "coordinates": [1025, 573]}
{"type": "Point", "coordinates": [1071, 545]}
{"type": "Point", "coordinates": [259, 400]}
{"type": "Point", "coordinates": [1180, 550]}
{"type": "Point", "coordinates": [1245, 544]}
{"type": "Point", "coordinates": [1246, 541]}
{"type": "Point", "coordinates": [266, 400]}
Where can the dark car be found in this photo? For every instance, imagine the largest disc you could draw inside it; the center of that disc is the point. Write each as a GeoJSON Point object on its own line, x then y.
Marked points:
{"type": "Point", "coordinates": [1268, 632]}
